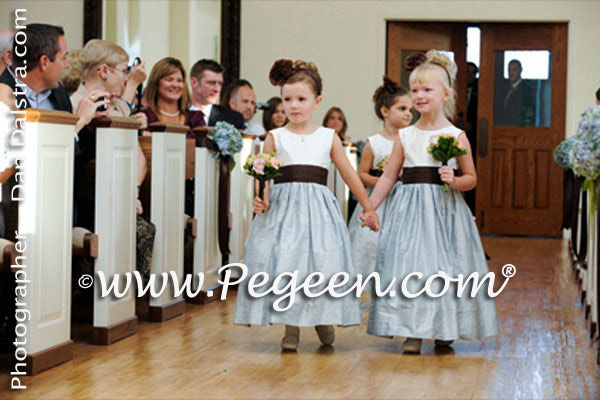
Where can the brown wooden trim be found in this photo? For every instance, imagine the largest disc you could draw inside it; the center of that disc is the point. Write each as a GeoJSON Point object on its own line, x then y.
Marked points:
{"type": "Point", "coordinates": [48, 358]}
{"type": "Point", "coordinates": [92, 20]}
{"type": "Point", "coordinates": [167, 127]}
{"type": "Point", "coordinates": [203, 130]}
{"type": "Point", "coordinates": [9, 254]}
{"type": "Point", "coordinates": [230, 39]}
{"type": "Point", "coordinates": [50, 116]}
{"type": "Point", "coordinates": [164, 313]}
{"type": "Point", "coordinates": [115, 122]}
{"type": "Point", "coordinates": [89, 248]}
{"type": "Point", "coordinates": [247, 136]}
{"type": "Point", "coordinates": [113, 333]}
{"type": "Point", "coordinates": [191, 227]}
{"type": "Point", "coordinates": [202, 297]}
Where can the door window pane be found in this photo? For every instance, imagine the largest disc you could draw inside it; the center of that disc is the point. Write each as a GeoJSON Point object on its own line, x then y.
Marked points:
{"type": "Point", "coordinates": [522, 88]}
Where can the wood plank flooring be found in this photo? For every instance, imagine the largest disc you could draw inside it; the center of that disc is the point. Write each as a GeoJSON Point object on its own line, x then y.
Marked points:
{"type": "Point", "coordinates": [543, 351]}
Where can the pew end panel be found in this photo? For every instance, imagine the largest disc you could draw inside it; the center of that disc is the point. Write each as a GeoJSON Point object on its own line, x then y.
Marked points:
{"type": "Point", "coordinates": [242, 193]}
{"type": "Point", "coordinates": [167, 214]}
{"type": "Point", "coordinates": [207, 256]}
{"type": "Point", "coordinates": [45, 222]}
{"type": "Point", "coordinates": [115, 216]}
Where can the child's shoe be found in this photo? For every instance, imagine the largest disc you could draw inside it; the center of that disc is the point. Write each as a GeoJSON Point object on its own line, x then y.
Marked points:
{"type": "Point", "coordinates": [412, 346]}
{"type": "Point", "coordinates": [443, 343]}
{"type": "Point", "coordinates": [326, 334]}
{"type": "Point", "coordinates": [291, 338]}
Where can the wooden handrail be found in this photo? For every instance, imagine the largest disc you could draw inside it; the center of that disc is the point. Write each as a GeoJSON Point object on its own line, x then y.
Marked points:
{"type": "Point", "coordinates": [115, 122]}
{"type": "Point", "coordinates": [50, 116]}
{"type": "Point", "coordinates": [167, 127]}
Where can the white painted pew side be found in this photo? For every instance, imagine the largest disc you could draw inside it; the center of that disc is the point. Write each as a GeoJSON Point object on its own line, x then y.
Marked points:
{"type": "Point", "coordinates": [45, 221]}
{"type": "Point", "coordinates": [115, 215]}
{"type": "Point", "coordinates": [242, 193]}
{"type": "Point", "coordinates": [167, 214]}
{"type": "Point", "coordinates": [207, 256]}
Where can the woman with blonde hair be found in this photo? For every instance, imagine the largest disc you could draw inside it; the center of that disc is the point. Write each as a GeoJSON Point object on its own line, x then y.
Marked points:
{"type": "Point", "coordinates": [104, 69]}
{"type": "Point", "coordinates": [168, 97]}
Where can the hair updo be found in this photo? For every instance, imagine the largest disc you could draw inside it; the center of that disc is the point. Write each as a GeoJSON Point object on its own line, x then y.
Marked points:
{"type": "Point", "coordinates": [288, 72]}
{"type": "Point", "coordinates": [437, 65]}
{"type": "Point", "coordinates": [386, 95]}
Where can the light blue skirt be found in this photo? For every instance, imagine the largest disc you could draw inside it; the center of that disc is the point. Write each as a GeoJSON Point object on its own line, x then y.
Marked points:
{"type": "Point", "coordinates": [364, 240]}
{"type": "Point", "coordinates": [428, 230]}
{"type": "Point", "coordinates": [302, 230]}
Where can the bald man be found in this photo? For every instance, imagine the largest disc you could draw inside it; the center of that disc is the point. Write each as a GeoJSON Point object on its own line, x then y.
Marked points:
{"type": "Point", "coordinates": [6, 44]}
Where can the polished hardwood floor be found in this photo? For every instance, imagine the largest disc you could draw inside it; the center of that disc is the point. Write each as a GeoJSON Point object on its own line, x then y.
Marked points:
{"type": "Point", "coordinates": [543, 351]}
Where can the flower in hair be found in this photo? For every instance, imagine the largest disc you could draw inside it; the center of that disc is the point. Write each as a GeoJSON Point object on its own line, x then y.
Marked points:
{"type": "Point", "coordinates": [414, 61]}
{"type": "Point", "coordinates": [281, 71]}
{"type": "Point", "coordinates": [389, 84]}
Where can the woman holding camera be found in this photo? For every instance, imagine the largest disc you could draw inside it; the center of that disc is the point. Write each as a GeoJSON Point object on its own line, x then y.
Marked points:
{"type": "Point", "coordinates": [104, 70]}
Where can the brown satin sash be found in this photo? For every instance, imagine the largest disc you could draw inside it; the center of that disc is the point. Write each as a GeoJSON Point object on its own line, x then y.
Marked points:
{"type": "Point", "coordinates": [302, 173]}
{"type": "Point", "coordinates": [423, 175]}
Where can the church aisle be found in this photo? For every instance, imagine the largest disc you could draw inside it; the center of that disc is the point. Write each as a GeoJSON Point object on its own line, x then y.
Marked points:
{"type": "Point", "coordinates": [542, 351]}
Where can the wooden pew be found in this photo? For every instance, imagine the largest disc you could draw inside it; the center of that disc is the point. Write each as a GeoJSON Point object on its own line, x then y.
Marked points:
{"type": "Point", "coordinates": [337, 185]}
{"type": "Point", "coordinates": [165, 153]}
{"type": "Point", "coordinates": [115, 215]}
{"type": "Point", "coordinates": [45, 220]}
{"type": "Point", "coordinates": [207, 257]}
{"type": "Point", "coordinates": [242, 193]}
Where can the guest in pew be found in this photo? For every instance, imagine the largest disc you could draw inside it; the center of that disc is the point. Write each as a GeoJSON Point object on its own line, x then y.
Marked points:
{"type": "Point", "coordinates": [104, 68]}
{"type": "Point", "coordinates": [7, 37]}
{"type": "Point", "coordinates": [168, 99]}
{"type": "Point", "coordinates": [39, 69]}
{"type": "Point", "coordinates": [336, 120]}
{"type": "Point", "coordinates": [240, 97]}
{"type": "Point", "coordinates": [274, 117]}
{"type": "Point", "coordinates": [71, 77]}
{"type": "Point", "coordinates": [206, 79]}
{"type": "Point", "coordinates": [168, 96]}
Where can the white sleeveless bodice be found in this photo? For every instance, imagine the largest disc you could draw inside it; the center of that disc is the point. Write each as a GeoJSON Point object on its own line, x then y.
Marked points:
{"type": "Point", "coordinates": [381, 147]}
{"type": "Point", "coordinates": [415, 142]}
{"type": "Point", "coordinates": [312, 149]}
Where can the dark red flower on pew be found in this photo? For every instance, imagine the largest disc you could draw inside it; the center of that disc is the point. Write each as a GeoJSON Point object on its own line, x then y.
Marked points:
{"type": "Point", "coordinates": [414, 61]}
{"type": "Point", "coordinates": [281, 71]}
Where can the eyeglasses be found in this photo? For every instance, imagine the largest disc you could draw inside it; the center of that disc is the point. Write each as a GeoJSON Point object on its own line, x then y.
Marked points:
{"type": "Point", "coordinates": [124, 71]}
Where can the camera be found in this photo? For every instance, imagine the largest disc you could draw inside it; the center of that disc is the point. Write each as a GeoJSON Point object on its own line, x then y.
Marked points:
{"type": "Point", "coordinates": [102, 107]}
{"type": "Point", "coordinates": [136, 61]}
{"type": "Point", "coordinates": [262, 106]}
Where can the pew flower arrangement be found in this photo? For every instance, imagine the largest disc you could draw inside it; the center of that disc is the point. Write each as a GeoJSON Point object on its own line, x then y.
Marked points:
{"type": "Point", "coordinates": [443, 148]}
{"type": "Point", "coordinates": [228, 140]}
{"type": "Point", "coordinates": [563, 154]}
{"type": "Point", "coordinates": [263, 167]}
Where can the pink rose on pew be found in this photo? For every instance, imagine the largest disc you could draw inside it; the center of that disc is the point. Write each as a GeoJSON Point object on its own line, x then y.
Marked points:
{"type": "Point", "coordinates": [259, 166]}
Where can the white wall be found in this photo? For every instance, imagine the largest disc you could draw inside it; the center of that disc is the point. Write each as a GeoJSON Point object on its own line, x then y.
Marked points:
{"type": "Point", "coordinates": [153, 29]}
{"type": "Point", "coordinates": [66, 13]}
{"type": "Point", "coordinates": [346, 39]}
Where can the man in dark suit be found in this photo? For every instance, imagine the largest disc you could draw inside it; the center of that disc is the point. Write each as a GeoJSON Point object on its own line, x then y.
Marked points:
{"type": "Point", "coordinates": [515, 102]}
{"type": "Point", "coordinates": [34, 79]}
{"type": "Point", "coordinates": [206, 80]}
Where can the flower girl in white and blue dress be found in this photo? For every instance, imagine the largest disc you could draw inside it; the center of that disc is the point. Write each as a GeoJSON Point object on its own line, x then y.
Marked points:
{"type": "Point", "coordinates": [300, 225]}
{"type": "Point", "coordinates": [426, 229]}
{"type": "Point", "coordinates": [392, 106]}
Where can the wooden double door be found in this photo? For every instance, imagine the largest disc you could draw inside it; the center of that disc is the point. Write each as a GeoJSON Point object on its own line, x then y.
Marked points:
{"type": "Point", "coordinates": [516, 119]}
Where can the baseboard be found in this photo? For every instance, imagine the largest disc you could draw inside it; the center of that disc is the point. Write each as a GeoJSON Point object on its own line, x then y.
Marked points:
{"type": "Point", "coordinates": [113, 333]}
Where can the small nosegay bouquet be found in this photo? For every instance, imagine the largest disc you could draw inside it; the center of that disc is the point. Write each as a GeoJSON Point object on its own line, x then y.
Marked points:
{"type": "Point", "coordinates": [443, 148]}
{"type": "Point", "coordinates": [263, 167]}
{"type": "Point", "coordinates": [382, 165]}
